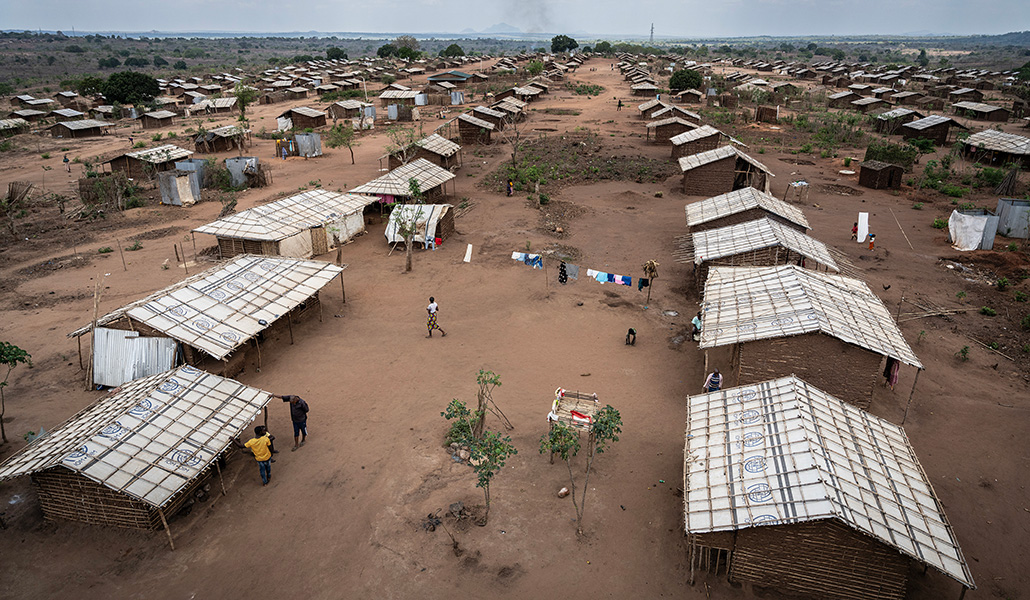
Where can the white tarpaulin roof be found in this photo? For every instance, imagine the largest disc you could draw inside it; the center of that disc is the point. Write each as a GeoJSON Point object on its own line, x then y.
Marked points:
{"type": "Point", "coordinates": [739, 201]}
{"type": "Point", "coordinates": [744, 304]}
{"type": "Point", "coordinates": [286, 217]}
{"type": "Point", "coordinates": [755, 235]}
{"type": "Point", "coordinates": [150, 439]}
{"type": "Point", "coordinates": [783, 451]}
{"type": "Point", "coordinates": [222, 308]}
{"type": "Point", "coordinates": [395, 183]}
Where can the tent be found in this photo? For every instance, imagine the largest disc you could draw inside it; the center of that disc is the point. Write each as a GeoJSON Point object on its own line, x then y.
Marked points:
{"type": "Point", "coordinates": [972, 229]}
{"type": "Point", "coordinates": [430, 221]}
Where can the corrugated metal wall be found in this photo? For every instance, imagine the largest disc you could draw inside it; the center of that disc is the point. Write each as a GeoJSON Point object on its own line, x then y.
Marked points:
{"type": "Point", "coordinates": [122, 356]}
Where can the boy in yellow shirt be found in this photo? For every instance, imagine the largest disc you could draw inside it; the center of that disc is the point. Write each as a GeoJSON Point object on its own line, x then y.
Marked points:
{"type": "Point", "coordinates": [261, 446]}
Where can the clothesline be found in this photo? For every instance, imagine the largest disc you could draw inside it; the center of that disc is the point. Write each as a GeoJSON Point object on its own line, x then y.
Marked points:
{"type": "Point", "coordinates": [567, 271]}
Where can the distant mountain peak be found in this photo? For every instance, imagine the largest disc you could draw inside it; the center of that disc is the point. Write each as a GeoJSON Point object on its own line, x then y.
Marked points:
{"type": "Point", "coordinates": [502, 28]}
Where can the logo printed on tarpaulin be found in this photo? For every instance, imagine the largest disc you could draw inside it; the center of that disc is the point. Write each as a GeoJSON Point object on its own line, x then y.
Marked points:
{"type": "Point", "coordinates": [751, 439]}
{"type": "Point", "coordinates": [202, 324]}
{"type": "Point", "coordinates": [169, 386]}
{"type": "Point", "coordinates": [744, 395]}
{"type": "Point", "coordinates": [749, 416]}
{"type": "Point", "coordinates": [229, 336]}
{"type": "Point", "coordinates": [142, 410]}
{"type": "Point", "coordinates": [114, 431]}
{"type": "Point", "coordinates": [184, 459]}
{"type": "Point", "coordinates": [759, 492]}
{"type": "Point", "coordinates": [755, 464]}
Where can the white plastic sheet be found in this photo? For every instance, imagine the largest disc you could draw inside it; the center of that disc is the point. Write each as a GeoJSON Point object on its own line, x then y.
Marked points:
{"type": "Point", "coordinates": [863, 226]}
{"type": "Point", "coordinates": [966, 231]}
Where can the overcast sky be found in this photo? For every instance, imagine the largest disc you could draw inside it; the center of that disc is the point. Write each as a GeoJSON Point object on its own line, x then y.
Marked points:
{"type": "Point", "coordinates": [610, 17]}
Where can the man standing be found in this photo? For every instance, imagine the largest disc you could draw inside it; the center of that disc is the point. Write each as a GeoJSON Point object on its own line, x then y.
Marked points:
{"type": "Point", "coordinates": [260, 445]}
{"type": "Point", "coordinates": [431, 323]}
{"type": "Point", "coordinates": [714, 381]}
{"type": "Point", "coordinates": [299, 416]}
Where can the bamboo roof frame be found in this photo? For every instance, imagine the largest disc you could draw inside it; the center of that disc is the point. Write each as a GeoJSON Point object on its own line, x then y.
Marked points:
{"type": "Point", "coordinates": [739, 201]}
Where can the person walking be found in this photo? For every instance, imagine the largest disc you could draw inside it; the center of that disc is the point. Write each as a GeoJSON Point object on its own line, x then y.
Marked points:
{"type": "Point", "coordinates": [432, 309]}
{"type": "Point", "coordinates": [261, 446]}
{"type": "Point", "coordinates": [854, 232]}
{"type": "Point", "coordinates": [714, 381]}
{"type": "Point", "coordinates": [299, 416]}
{"type": "Point", "coordinates": [67, 163]}
{"type": "Point", "coordinates": [872, 241]}
{"type": "Point", "coordinates": [619, 107]}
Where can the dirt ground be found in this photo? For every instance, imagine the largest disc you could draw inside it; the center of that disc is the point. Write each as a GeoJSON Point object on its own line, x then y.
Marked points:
{"type": "Point", "coordinates": [343, 516]}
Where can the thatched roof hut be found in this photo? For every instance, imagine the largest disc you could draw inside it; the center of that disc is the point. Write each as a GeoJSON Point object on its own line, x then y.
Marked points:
{"type": "Point", "coordinates": [136, 457]}
{"type": "Point", "coordinates": [394, 186]}
{"type": "Point", "coordinates": [793, 489]}
{"type": "Point", "coordinates": [741, 206]}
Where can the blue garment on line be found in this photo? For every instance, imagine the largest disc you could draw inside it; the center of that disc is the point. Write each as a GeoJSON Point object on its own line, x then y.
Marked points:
{"type": "Point", "coordinates": [627, 280]}
{"type": "Point", "coordinates": [602, 277]}
{"type": "Point", "coordinates": [534, 261]}
{"type": "Point", "coordinates": [611, 278]}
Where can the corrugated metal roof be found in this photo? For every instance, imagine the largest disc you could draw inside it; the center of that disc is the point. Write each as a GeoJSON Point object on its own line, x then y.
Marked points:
{"type": "Point", "coordinates": [289, 216]}
{"type": "Point", "coordinates": [977, 106]}
{"type": "Point", "coordinates": [669, 121]}
{"type": "Point", "coordinates": [476, 121]}
{"type": "Point", "coordinates": [398, 95]}
{"type": "Point", "coordinates": [220, 309]}
{"type": "Point", "coordinates": [307, 111]}
{"type": "Point", "coordinates": [739, 201]}
{"type": "Point", "coordinates": [744, 304]}
{"type": "Point", "coordinates": [931, 121]}
{"type": "Point", "coordinates": [897, 113]}
{"type": "Point", "coordinates": [783, 451]}
{"type": "Point", "coordinates": [488, 112]}
{"type": "Point", "coordinates": [395, 183]}
{"type": "Point", "coordinates": [160, 114]}
{"type": "Point", "coordinates": [81, 124]}
{"type": "Point", "coordinates": [714, 244]}
{"type": "Point", "coordinates": [437, 144]}
{"type": "Point", "coordinates": [150, 439]}
{"type": "Point", "coordinates": [13, 123]}
{"type": "Point", "coordinates": [867, 101]}
{"type": "Point", "coordinates": [694, 135]}
{"type": "Point", "coordinates": [161, 154]}
{"type": "Point", "coordinates": [992, 139]}
{"type": "Point", "coordinates": [840, 95]}
{"type": "Point", "coordinates": [703, 158]}
{"type": "Point", "coordinates": [67, 113]}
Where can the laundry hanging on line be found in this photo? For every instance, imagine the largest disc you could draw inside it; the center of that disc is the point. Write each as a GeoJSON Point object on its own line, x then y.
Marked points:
{"type": "Point", "coordinates": [532, 260]}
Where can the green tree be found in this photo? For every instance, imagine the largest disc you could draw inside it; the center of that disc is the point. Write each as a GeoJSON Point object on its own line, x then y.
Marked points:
{"type": "Point", "coordinates": [406, 41]}
{"type": "Point", "coordinates": [335, 53]}
{"type": "Point", "coordinates": [452, 51]}
{"type": "Point", "coordinates": [407, 224]}
{"type": "Point", "coordinates": [923, 59]}
{"type": "Point", "coordinates": [563, 43]}
{"type": "Point", "coordinates": [108, 63]}
{"type": "Point", "coordinates": [487, 457]}
{"type": "Point", "coordinates": [603, 47]}
{"type": "Point", "coordinates": [535, 67]}
{"type": "Point", "coordinates": [159, 62]}
{"type": "Point", "coordinates": [10, 356]}
{"type": "Point", "coordinates": [131, 87]}
{"type": "Point", "coordinates": [386, 51]}
{"type": "Point", "coordinates": [245, 96]}
{"type": "Point", "coordinates": [1023, 74]}
{"type": "Point", "coordinates": [685, 79]}
{"type": "Point", "coordinates": [408, 53]}
{"type": "Point", "coordinates": [487, 381]}
{"type": "Point", "coordinates": [180, 65]}
{"type": "Point", "coordinates": [136, 62]}
{"type": "Point", "coordinates": [6, 89]}
{"type": "Point", "coordinates": [342, 136]}
{"type": "Point", "coordinates": [564, 441]}
{"type": "Point", "coordinates": [90, 85]}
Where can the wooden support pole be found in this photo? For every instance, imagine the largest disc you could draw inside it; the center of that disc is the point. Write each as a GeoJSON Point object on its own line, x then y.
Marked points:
{"type": "Point", "coordinates": [220, 480]}
{"type": "Point", "coordinates": [121, 253]}
{"type": "Point", "coordinates": [168, 531]}
{"type": "Point", "coordinates": [184, 266]}
{"type": "Point", "coordinates": [289, 323]}
{"type": "Point", "coordinates": [343, 290]}
{"type": "Point", "coordinates": [266, 417]}
{"type": "Point", "coordinates": [258, 344]}
{"type": "Point", "coordinates": [78, 340]}
{"type": "Point", "coordinates": [194, 236]}
{"type": "Point", "coordinates": [912, 393]}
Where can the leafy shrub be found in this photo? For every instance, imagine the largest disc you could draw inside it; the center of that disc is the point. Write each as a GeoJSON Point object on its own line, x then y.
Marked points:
{"type": "Point", "coordinates": [1003, 284]}
{"type": "Point", "coordinates": [45, 155]}
{"type": "Point", "coordinates": [963, 354]}
{"type": "Point", "coordinates": [918, 206]}
{"type": "Point", "coordinates": [954, 191]}
{"type": "Point", "coordinates": [156, 137]}
{"type": "Point", "coordinates": [136, 245]}
{"type": "Point", "coordinates": [140, 145]}
{"type": "Point", "coordinates": [988, 311]}
{"type": "Point", "coordinates": [1021, 296]}
{"type": "Point", "coordinates": [104, 250]}
{"type": "Point", "coordinates": [939, 223]}
{"type": "Point", "coordinates": [898, 154]}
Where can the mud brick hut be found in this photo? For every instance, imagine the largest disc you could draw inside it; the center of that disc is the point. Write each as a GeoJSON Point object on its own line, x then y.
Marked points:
{"type": "Point", "coordinates": [788, 487]}
{"type": "Point", "coordinates": [864, 105]}
{"type": "Point", "coordinates": [79, 129]}
{"type": "Point", "coordinates": [304, 117]}
{"type": "Point", "coordinates": [668, 110]}
{"type": "Point", "coordinates": [394, 186]}
{"type": "Point", "coordinates": [965, 95]}
{"type": "Point", "coordinates": [763, 242]}
{"type": "Point", "coordinates": [489, 115]}
{"type": "Point", "coordinates": [211, 320]}
{"type": "Point", "coordinates": [398, 97]}
{"type": "Point", "coordinates": [145, 163]}
{"type": "Point", "coordinates": [474, 130]}
{"type": "Point", "coordinates": [888, 123]}
{"type": "Point", "coordinates": [666, 129]}
{"type": "Point", "coordinates": [435, 148]}
{"type": "Point", "coordinates": [66, 114]}
{"type": "Point", "coordinates": [300, 226]}
{"type": "Point", "coordinates": [982, 112]}
{"type": "Point", "coordinates": [742, 206]}
{"type": "Point", "coordinates": [699, 140]}
{"type": "Point", "coordinates": [644, 89]}
{"type": "Point", "coordinates": [136, 457]}
{"type": "Point", "coordinates": [906, 98]}
{"type": "Point", "coordinates": [842, 99]}
{"type": "Point", "coordinates": [28, 114]}
{"type": "Point", "coordinates": [297, 93]}
{"type": "Point", "coordinates": [157, 119]}
{"type": "Point", "coordinates": [928, 103]}
{"type": "Point", "coordinates": [221, 139]}
{"type": "Point", "coordinates": [997, 148]}
{"type": "Point", "coordinates": [722, 170]}
{"type": "Point", "coordinates": [934, 127]}
{"type": "Point", "coordinates": [827, 328]}
{"type": "Point", "coordinates": [649, 107]}
{"type": "Point", "coordinates": [458, 79]}
{"type": "Point", "coordinates": [347, 109]}
{"type": "Point", "coordinates": [690, 96]}
{"type": "Point", "coordinates": [878, 175]}
{"type": "Point", "coordinates": [9, 127]}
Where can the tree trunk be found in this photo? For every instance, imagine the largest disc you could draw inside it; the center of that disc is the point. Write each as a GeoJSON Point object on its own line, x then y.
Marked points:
{"type": "Point", "coordinates": [351, 154]}
{"type": "Point", "coordinates": [579, 511]}
{"type": "Point", "coordinates": [3, 408]}
{"type": "Point", "coordinates": [407, 253]}
{"type": "Point", "coordinates": [477, 431]}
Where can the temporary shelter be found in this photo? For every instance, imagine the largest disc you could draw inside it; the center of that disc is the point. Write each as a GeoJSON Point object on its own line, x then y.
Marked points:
{"type": "Point", "coordinates": [879, 175]}
{"type": "Point", "coordinates": [997, 148]}
{"type": "Point", "coordinates": [301, 117]}
{"type": "Point", "coordinates": [13, 126]}
{"type": "Point", "coordinates": [979, 110]}
{"type": "Point", "coordinates": [78, 129]}
{"type": "Point", "coordinates": [221, 139]}
{"type": "Point", "coordinates": [762, 242]}
{"type": "Point", "coordinates": [179, 188]}
{"type": "Point", "coordinates": [700, 139]}
{"type": "Point", "coordinates": [666, 129]}
{"type": "Point", "coordinates": [972, 229]}
{"type": "Point", "coordinates": [435, 148]}
{"type": "Point", "coordinates": [218, 313]}
{"type": "Point", "coordinates": [146, 163]}
{"type": "Point", "coordinates": [397, 183]}
{"type": "Point", "coordinates": [300, 226]}
{"type": "Point", "coordinates": [134, 458]}
{"type": "Point", "coordinates": [431, 221]}
{"type": "Point", "coordinates": [474, 130]}
{"type": "Point", "coordinates": [1013, 218]}
{"type": "Point", "coordinates": [788, 487]}
{"type": "Point", "coordinates": [741, 206]}
{"type": "Point", "coordinates": [157, 119]}
{"type": "Point", "coordinates": [829, 329]}
{"type": "Point", "coordinates": [934, 127]}
{"type": "Point", "coordinates": [889, 122]}
{"type": "Point", "coordinates": [722, 170]}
